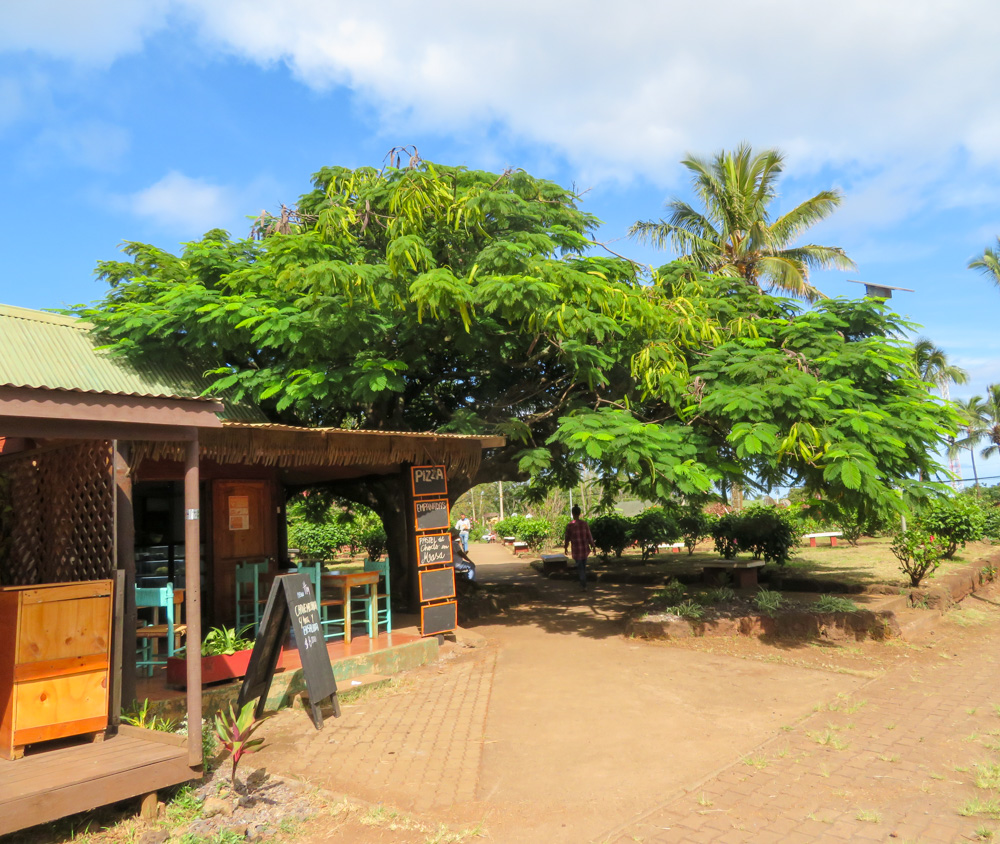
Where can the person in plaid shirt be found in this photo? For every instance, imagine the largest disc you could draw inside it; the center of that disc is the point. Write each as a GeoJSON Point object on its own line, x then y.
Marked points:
{"type": "Point", "coordinates": [578, 536]}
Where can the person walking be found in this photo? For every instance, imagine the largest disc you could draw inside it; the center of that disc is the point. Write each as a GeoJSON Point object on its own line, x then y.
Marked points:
{"type": "Point", "coordinates": [579, 537]}
{"type": "Point", "coordinates": [463, 525]}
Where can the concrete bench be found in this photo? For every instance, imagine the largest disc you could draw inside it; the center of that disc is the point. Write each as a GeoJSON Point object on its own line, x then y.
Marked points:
{"type": "Point", "coordinates": [675, 547]}
{"type": "Point", "coordinates": [833, 534]}
{"type": "Point", "coordinates": [744, 572]}
{"type": "Point", "coordinates": [520, 546]}
{"type": "Point", "coordinates": [554, 562]}
{"type": "Point", "coordinates": [509, 540]}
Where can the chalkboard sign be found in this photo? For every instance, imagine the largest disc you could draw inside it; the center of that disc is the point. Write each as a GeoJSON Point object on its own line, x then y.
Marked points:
{"type": "Point", "coordinates": [291, 606]}
{"type": "Point", "coordinates": [437, 583]}
{"type": "Point", "coordinates": [433, 549]}
{"type": "Point", "coordinates": [429, 480]}
{"type": "Point", "coordinates": [432, 514]}
{"type": "Point", "coordinates": [438, 618]}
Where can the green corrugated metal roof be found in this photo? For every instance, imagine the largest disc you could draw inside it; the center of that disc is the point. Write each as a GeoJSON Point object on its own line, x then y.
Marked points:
{"type": "Point", "coordinates": [56, 352]}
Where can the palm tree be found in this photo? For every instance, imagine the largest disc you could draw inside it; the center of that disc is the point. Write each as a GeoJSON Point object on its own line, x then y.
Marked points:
{"type": "Point", "coordinates": [932, 366]}
{"type": "Point", "coordinates": [976, 425]}
{"type": "Point", "coordinates": [989, 263]}
{"type": "Point", "coordinates": [734, 235]}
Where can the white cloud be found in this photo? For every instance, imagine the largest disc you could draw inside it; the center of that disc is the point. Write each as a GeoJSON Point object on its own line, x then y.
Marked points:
{"type": "Point", "coordinates": [183, 204]}
{"type": "Point", "coordinates": [91, 31]}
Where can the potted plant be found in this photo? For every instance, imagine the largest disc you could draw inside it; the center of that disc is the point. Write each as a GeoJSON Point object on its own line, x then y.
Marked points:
{"type": "Point", "coordinates": [225, 655]}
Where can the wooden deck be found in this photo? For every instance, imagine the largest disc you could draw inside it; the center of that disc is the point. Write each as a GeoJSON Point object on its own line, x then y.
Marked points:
{"type": "Point", "coordinates": [52, 783]}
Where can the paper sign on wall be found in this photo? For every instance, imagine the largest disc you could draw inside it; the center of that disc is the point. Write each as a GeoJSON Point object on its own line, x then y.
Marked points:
{"type": "Point", "coordinates": [239, 512]}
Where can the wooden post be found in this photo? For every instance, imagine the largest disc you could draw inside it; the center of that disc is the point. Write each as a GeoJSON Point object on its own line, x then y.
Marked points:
{"type": "Point", "coordinates": [125, 560]}
{"type": "Point", "coordinates": [192, 599]}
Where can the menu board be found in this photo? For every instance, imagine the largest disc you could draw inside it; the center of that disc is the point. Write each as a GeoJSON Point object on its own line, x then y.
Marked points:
{"type": "Point", "coordinates": [432, 514]}
{"type": "Point", "coordinates": [429, 480]}
{"type": "Point", "coordinates": [433, 549]}
{"type": "Point", "coordinates": [438, 618]}
{"type": "Point", "coordinates": [291, 605]}
{"type": "Point", "coordinates": [437, 583]}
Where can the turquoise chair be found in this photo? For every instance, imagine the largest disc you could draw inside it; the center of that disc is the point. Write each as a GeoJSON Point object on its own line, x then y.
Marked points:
{"type": "Point", "coordinates": [249, 604]}
{"type": "Point", "coordinates": [328, 622]}
{"type": "Point", "coordinates": [171, 629]}
{"type": "Point", "coordinates": [379, 593]}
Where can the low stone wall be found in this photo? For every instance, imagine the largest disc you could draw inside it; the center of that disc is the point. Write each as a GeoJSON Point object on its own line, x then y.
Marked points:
{"type": "Point", "coordinates": [789, 624]}
{"type": "Point", "coordinates": [944, 590]}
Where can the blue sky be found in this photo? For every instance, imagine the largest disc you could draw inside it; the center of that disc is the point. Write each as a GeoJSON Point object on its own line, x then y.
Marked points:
{"type": "Point", "coordinates": [156, 120]}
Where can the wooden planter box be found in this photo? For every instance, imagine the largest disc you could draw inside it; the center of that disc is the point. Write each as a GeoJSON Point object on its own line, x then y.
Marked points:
{"type": "Point", "coordinates": [54, 662]}
{"type": "Point", "coordinates": [214, 669]}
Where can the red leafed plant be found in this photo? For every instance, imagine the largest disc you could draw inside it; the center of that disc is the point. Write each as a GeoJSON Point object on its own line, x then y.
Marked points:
{"type": "Point", "coordinates": [234, 732]}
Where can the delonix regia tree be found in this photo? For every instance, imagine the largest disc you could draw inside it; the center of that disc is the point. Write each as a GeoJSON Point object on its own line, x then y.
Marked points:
{"type": "Point", "coordinates": [437, 298]}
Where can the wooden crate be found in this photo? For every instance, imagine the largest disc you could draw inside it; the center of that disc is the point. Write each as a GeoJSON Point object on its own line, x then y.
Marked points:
{"type": "Point", "coordinates": [55, 642]}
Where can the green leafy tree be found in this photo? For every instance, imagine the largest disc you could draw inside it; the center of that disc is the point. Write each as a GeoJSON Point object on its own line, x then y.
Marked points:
{"type": "Point", "coordinates": [735, 234]}
{"type": "Point", "coordinates": [933, 366]}
{"type": "Point", "coordinates": [653, 526]}
{"type": "Point", "coordinates": [974, 414]}
{"type": "Point", "coordinates": [610, 533]}
{"type": "Point", "coordinates": [918, 552]}
{"type": "Point", "coordinates": [441, 299]}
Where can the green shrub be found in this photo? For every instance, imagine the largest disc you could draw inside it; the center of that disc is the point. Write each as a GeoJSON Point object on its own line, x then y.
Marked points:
{"type": "Point", "coordinates": [610, 534]}
{"type": "Point", "coordinates": [511, 526]}
{"type": "Point", "coordinates": [834, 603]}
{"type": "Point", "coordinates": [536, 532]}
{"type": "Point", "coordinates": [721, 595]}
{"type": "Point", "coordinates": [694, 525]}
{"type": "Point", "coordinates": [768, 602]}
{"type": "Point", "coordinates": [918, 552]}
{"type": "Point", "coordinates": [991, 519]}
{"type": "Point", "coordinates": [650, 528]}
{"type": "Point", "coordinates": [687, 609]}
{"type": "Point", "coordinates": [763, 531]}
{"type": "Point", "coordinates": [954, 521]}
{"type": "Point", "coordinates": [672, 592]}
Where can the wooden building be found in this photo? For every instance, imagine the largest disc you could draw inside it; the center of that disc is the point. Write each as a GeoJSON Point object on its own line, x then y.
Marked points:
{"type": "Point", "coordinates": [112, 472]}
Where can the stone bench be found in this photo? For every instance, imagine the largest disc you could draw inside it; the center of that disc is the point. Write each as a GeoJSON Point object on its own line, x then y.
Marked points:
{"type": "Point", "coordinates": [554, 562]}
{"type": "Point", "coordinates": [675, 547]}
{"type": "Point", "coordinates": [520, 546]}
{"type": "Point", "coordinates": [744, 572]}
{"type": "Point", "coordinates": [833, 534]}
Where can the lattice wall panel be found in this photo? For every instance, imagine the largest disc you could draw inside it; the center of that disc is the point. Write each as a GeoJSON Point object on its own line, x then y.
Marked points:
{"type": "Point", "coordinates": [58, 516]}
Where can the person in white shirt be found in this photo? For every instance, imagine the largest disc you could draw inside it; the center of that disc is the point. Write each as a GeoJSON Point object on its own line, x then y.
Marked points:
{"type": "Point", "coordinates": [463, 526]}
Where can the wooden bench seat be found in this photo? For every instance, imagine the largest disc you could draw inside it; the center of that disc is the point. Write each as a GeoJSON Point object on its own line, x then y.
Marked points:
{"type": "Point", "coordinates": [744, 572]}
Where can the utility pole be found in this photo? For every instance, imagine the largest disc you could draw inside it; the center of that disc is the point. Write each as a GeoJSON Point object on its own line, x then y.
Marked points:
{"type": "Point", "coordinates": [500, 485]}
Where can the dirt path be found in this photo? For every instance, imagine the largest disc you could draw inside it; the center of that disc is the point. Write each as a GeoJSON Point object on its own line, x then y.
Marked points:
{"type": "Point", "coordinates": [557, 730]}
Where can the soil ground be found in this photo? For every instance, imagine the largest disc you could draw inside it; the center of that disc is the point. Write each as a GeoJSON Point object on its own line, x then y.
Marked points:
{"type": "Point", "coordinates": [559, 729]}
{"type": "Point", "coordinates": [546, 724]}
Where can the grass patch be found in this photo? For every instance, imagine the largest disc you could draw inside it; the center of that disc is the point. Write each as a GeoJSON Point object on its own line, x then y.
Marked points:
{"type": "Point", "coordinates": [968, 617]}
{"type": "Point", "coordinates": [834, 603]}
{"type": "Point", "coordinates": [373, 691]}
{"type": "Point", "coordinates": [868, 816]}
{"type": "Point", "coordinates": [755, 761]}
{"type": "Point", "coordinates": [988, 776]}
{"type": "Point", "coordinates": [976, 807]}
{"type": "Point", "coordinates": [828, 738]}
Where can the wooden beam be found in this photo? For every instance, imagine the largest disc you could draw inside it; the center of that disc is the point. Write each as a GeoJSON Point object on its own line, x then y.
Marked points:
{"type": "Point", "coordinates": [192, 600]}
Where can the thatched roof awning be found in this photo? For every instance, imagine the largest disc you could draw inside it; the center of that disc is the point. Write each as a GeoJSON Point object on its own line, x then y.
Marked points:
{"type": "Point", "coordinates": [290, 447]}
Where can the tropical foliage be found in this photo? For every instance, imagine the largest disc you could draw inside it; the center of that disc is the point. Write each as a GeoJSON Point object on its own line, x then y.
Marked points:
{"type": "Point", "coordinates": [988, 263]}
{"type": "Point", "coordinates": [734, 233]}
{"type": "Point", "coordinates": [438, 298]}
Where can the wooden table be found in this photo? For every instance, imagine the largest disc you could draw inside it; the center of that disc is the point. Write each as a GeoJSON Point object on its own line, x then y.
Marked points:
{"type": "Point", "coordinates": [346, 582]}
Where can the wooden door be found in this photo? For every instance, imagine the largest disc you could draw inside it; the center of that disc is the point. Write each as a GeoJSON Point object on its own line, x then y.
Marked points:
{"type": "Point", "coordinates": [244, 526]}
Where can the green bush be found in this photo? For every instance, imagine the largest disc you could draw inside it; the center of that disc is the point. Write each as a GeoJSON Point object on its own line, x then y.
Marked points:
{"type": "Point", "coordinates": [694, 525]}
{"type": "Point", "coordinates": [687, 609]}
{"type": "Point", "coordinates": [991, 518]}
{"type": "Point", "coordinates": [650, 528]}
{"type": "Point", "coordinates": [671, 593]}
{"type": "Point", "coordinates": [317, 539]}
{"type": "Point", "coordinates": [768, 602]}
{"type": "Point", "coordinates": [511, 526]}
{"type": "Point", "coordinates": [954, 521]}
{"type": "Point", "coordinates": [536, 532]}
{"type": "Point", "coordinates": [610, 534]}
{"type": "Point", "coordinates": [761, 530]}
{"type": "Point", "coordinates": [918, 552]}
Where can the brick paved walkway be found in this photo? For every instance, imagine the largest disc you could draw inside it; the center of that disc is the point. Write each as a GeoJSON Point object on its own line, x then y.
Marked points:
{"type": "Point", "coordinates": [396, 744]}
{"type": "Point", "coordinates": [894, 761]}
